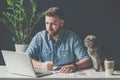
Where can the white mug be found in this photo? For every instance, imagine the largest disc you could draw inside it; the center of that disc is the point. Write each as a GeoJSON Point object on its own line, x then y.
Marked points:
{"type": "Point", "coordinates": [109, 67]}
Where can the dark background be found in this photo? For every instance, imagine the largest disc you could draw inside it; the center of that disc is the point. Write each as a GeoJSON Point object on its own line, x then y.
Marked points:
{"type": "Point", "coordinates": [98, 17]}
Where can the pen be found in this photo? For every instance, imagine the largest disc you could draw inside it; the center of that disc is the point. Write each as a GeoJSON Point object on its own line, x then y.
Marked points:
{"type": "Point", "coordinates": [57, 67]}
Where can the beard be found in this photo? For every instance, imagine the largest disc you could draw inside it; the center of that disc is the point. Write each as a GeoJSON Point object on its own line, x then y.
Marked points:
{"type": "Point", "coordinates": [52, 34]}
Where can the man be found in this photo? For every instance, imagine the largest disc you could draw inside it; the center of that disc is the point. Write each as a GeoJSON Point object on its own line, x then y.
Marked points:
{"type": "Point", "coordinates": [56, 46]}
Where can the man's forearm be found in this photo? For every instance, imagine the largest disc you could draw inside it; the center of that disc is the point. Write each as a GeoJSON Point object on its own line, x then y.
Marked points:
{"type": "Point", "coordinates": [84, 63]}
{"type": "Point", "coordinates": [48, 65]}
{"type": "Point", "coordinates": [36, 64]}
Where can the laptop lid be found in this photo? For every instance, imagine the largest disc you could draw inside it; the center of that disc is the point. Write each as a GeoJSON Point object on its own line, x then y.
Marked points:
{"type": "Point", "coordinates": [18, 63]}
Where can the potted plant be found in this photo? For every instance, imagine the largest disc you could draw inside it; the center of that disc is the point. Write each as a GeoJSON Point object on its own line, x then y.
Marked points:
{"type": "Point", "coordinates": [21, 19]}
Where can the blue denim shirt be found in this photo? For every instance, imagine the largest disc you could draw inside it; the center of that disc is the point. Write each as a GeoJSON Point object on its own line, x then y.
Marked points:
{"type": "Point", "coordinates": [64, 51]}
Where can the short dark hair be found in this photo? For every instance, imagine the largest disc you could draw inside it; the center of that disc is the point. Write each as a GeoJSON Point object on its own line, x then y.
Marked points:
{"type": "Point", "coordinates": [54, 11]}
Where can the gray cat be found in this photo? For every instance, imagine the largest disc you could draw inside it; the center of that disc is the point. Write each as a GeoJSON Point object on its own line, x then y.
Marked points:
{"type": "Point", "coordinates": [95, 51]}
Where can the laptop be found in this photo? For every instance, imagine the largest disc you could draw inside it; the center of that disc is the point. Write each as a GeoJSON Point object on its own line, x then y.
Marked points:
{"type": "Point", "coordinates": [20, 63]}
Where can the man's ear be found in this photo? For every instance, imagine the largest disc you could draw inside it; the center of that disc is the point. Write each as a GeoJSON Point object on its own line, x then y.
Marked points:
{"type": "Point", "coordinates": [62, 22]}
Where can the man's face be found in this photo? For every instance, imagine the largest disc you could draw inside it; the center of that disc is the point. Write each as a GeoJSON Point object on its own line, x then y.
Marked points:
{"type": "Point", "coordinates": [53, 25]}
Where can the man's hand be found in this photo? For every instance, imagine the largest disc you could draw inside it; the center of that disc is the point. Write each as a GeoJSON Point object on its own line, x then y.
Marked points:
{"type": "Point", "coordinates": [47, 65]}
{"type": "Point", "coordinates": [68, 68]}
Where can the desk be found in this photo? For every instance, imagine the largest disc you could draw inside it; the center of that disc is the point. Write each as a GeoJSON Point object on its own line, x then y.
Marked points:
{"type": "Point", "coordinates": [87, 73]}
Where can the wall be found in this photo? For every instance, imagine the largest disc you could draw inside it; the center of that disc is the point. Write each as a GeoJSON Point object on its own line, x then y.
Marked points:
{"type": "Point", "coordinates": [98, 17]}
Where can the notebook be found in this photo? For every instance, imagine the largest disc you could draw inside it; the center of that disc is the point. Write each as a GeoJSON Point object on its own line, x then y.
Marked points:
{"type": "Point", "coordinates": [20, 63]}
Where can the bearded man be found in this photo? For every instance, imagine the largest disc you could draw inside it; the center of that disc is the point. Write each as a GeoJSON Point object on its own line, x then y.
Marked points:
{"type": "Point", "coordinates": [56, 46]}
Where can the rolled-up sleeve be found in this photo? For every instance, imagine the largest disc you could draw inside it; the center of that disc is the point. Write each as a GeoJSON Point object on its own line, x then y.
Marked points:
{"type": "Point", "coordinates": [33, 49]}
{"type": "Point", "coordinates": [79, 49]}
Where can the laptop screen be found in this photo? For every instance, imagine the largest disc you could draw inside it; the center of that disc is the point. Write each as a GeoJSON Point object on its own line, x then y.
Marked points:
{"type": "Point", "coordinates": [18, 63]}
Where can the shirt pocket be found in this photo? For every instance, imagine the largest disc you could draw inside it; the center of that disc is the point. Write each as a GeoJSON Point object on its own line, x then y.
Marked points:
{"type": "Point", "coordinates": [46, 54]}
{"type": "Point", "coordinates": [64, 56]}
